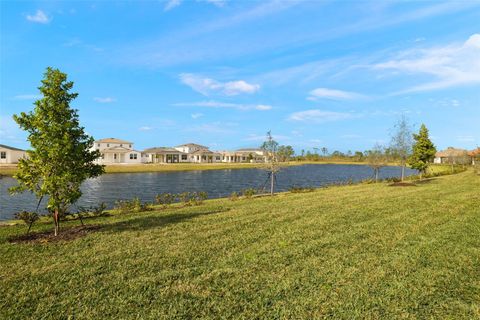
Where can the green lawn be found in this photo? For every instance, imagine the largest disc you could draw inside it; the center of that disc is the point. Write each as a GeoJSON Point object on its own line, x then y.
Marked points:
{"type": "Point", "coordinates": [353, 252]}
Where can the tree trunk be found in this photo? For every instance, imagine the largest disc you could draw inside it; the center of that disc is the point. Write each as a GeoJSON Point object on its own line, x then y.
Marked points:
{"type": "Point", "coordinates": [272, 182]}
{"type": "Point", "coordinates": [56, 221]}
{"type": "Point", "coordinates": [376, 175]}
{"type": "Point", "coordinates": [403, 172]}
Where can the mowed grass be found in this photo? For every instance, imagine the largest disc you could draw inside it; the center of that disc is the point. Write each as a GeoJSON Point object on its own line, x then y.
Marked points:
{"type": "Point", "coordinates": [366, 251]}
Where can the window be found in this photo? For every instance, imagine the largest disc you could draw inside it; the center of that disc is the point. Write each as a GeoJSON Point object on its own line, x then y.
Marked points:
{"type": "Point", "coordinates": [184, 157]}
{"type": "Point", "coordinates": [98, 145]}
{"type": "Point", "coordinates": [102, 156]}
{"type": "Point", "coordinates": [115, 156]}
{"type": "Point", "coordinates": [121, 145]}
{"type": "Point", "coordinates": [108, 145]}
{"type": "Point", "coordinates": [129, 145]}
{"type": "Point", "coordinates": [218, 158]}
{"type": "Point", "coordinates": [133, 156]}
{"type": "Point", "coordinates": [3, 155]}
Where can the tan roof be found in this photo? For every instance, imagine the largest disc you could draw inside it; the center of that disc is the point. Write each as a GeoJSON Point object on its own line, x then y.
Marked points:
{"type": "Point", "coordinates": [192, 145]}
{"type": "Point", "coordinates": [451, 152]}
{"type": "Point", "coordinates": [203, 151]}
{"type": "Point", "coordinates": [474, 153]}
{"type": "Point", "coordinates": [161, 150]}
{"type": "Point", "coordinates": [10, 148]}
{"type": "Point", "coordinates": [113, 140]}
{"type": "Point", "coordinates": [117, 150]}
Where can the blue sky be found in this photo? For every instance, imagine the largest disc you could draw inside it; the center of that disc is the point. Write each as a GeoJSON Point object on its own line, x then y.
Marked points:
{"type": "Point", "coordinates": [335, 74]}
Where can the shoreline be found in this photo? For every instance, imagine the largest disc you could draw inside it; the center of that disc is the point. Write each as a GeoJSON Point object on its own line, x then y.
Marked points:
{"type": "Point", "coordinates": [10, 170]}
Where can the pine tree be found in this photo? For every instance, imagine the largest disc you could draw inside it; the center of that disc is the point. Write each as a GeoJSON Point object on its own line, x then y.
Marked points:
{"type": "Point", "coordinates": [60, 158]}
{"type": "Point", "coordinates": [423, 151]}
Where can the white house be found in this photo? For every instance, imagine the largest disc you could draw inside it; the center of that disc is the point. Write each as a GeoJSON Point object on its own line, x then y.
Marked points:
{"type": "Point", "coordinates": [164, 155]}
{"type": "Point", "coordinates": [10, 155]}
{"type": "Point", "coordinates": [452, 156]}
{"type": "Point", "coordinates": [243, 155]}
{"type": "Point", "coordinates": [116, 151]}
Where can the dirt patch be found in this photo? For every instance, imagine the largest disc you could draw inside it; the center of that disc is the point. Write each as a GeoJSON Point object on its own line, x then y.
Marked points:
{"type": "Point", "coordinates": [48, 237]}
{"type": "Point", "coordinates": [402, 184]}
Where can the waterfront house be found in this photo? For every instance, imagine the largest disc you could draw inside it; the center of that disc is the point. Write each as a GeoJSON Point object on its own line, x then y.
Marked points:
{"type": "Point", "coordinates": [243, 155]}
{"type": "Point", "coordinates": [164, 155]}
{"type": "Point", "coordinates": [475, 155]}
{"type": "Point", "coordinates": [117, 151]}
{"type": "Point", "coordinates": [452, 156]}
{"type": "Point", "coordinates": [10, 155]}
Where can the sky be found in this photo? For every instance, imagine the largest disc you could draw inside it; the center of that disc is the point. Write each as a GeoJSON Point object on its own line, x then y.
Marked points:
{"type": "Point", "coordinates": [334, 74]}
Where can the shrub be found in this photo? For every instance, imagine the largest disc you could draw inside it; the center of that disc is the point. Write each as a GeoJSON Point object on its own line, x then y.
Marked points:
{"type": "Point", "coordinates": [233, 196]}
{"type": "Point", "coordinates": [165, 199]}
{"type": "Point", "coordinates": [134, 205]}
{"type": "Point", "coordinates": [28, 217]}
{"type": "Point", "coordinates": [298, 189]}
{"type": "Point", "coordinates": [192, 198]}
{"type": "Point", "coordinates": [248, 193]}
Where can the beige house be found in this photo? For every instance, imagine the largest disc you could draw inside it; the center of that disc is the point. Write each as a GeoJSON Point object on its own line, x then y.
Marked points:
{"type": "Point", "coordinates": [117, 151]}
{"type": "Point", "coordinates": [10, 155]}
{"type": "Point", "coordinates": [475, 155]}
{"type": "Point", "coordinates": [164, 155]}
{"type": "Point", "coordinates": [243, 155]}
{"type": "Point", "coordinates": [452, 156]}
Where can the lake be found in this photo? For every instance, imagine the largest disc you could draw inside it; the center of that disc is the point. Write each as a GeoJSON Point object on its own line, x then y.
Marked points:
{"type": "Point", "coordinates": [218, 183]}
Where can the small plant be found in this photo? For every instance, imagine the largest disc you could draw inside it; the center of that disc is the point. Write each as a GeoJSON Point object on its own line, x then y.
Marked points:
{"type": "Point", "coordinates": [192, 198]}
{"type": "Point", "coordinates": [233, 196]}
{"type": "Point", "coordinates": [134, 205]}
{"type": "Point", "coordinates": [28, 217]}
{"type": "Point", "coordinates": [199, 197]}
{"type": "Point", "coordinates": [248, 193]}
{"type": "Point", "coordinates": [165, 199]}
{"type": "Point", "coordinates": [185, 198]}
{"type": "Point", "coordinates": [298, 189]}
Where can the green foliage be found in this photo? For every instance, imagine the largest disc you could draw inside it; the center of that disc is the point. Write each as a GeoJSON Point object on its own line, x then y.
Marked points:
{"type": "Point", "coordinates": [299, 189]}
{"type": "Point", "coordinates": [192, 198]}
{"type": "Point", "coordinates": [28, 217]}
{"type": "Point", "coordinates": [165, 199]}
{"type": "Point", "coordinates": [423, 151]}
{"type": "Point", "coordinates": [60, 158]}
{"type": "Point", "coordinates": [233, 196]}
{"type": "Point", "coordinates": [285, 153]}
{"type": "Point", "coordinates": [249, 192]}
{"type": "Point", "coordinates": [134, 205]}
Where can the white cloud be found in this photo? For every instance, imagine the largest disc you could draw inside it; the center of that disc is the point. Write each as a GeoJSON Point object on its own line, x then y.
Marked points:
{"type": "Point", "coordinates": [27, 97]}
{"type": "Point", "coordinates": [452, 65]}
{"type": "Point", "coordinates": [466, 138]}
{"type": "Point", "coordinates": [145, 128]}
{"type": "Point", "coordinates": [208, 86]}
{"type": "Point", "coordinates": [39, 17]}
{"type": "Point", "coordinates": [172, 4]}
{"type": "Point", "coordinates": [104, 100]}
{"type": "Point", "coordinates": [196, 115]}
{"type": "Point", "coordinates": [228, 105]}
{"type": "Point", "coordinates": [319, 116]}
{"type": "Point", "coordinates": [324, 93]}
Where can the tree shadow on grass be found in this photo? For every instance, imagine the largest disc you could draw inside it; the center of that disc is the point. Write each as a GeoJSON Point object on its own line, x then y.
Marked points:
{"type": "Point", "coordinates": [153, 221]}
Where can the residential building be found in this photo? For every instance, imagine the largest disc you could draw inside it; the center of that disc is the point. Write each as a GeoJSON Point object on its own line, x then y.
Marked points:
{"type": "Point", "coordinates": [164, 155]}
{"type": "Point", "coordinates": [117, 151]}
{"type": "Point", "coordinates": [452, 156]}
{"type": "Point", "coordinates": [475, 155]}
{"type": "Point", "coordinates": [10, 155]}
{"type": "Point", "coordinates": [243, 155]}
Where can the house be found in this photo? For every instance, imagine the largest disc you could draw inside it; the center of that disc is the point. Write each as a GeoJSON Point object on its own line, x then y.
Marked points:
{"type": "Point", "coordinates": [10, 155]}
{"type": "Point", "coordinates": [452, 156]}
{"type": "Point", "coordinates": [117, 151]}
{"type": "Point", "coordinates": [243, 155]}
{"type": "Point", "coordinates": [164, 155]}
{"type": "Point", "coordinates": [475, 155]}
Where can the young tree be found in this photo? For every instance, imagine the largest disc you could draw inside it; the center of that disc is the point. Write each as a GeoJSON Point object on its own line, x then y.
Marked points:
{"type": "Point", "coordinates": [324, 151]}
{"type": "Point", "coordinates": [401, 144]}
{"type": "Point", "coordinates": [270, 148]}
{"type": "Point", "coordinates": [376, 159]}
{"type": "Point", "coordinates": [423, 151]}
{"type": "Point", "coordinates": [60, 159]}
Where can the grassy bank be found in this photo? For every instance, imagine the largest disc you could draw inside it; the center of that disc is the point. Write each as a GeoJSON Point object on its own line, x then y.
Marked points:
{"type": "Point", "coordinates": [361, 251]}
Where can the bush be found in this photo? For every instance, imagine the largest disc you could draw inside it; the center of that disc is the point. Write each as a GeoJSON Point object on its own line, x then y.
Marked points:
{"type": "Point", "coordinates": [28, 217]}
{"type": "Point", "coordinates": [298, 189]}
{"type": "Point", "coordinates": [233, 196]}
{"type": "Point", "coordinates": [165, 199]}
{"type": "Point", "coordinates": [192, 198]}
{"type": "Point", "coordinates": [134, 205]}
{"type": "Point", "coordinates": [248, 193]}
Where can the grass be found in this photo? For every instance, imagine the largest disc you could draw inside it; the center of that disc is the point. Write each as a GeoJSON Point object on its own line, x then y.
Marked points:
{"type": "Point", "coordinates": [365, 251]}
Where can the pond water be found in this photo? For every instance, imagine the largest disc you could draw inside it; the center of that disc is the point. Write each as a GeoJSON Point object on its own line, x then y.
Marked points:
{"type": "Point", "coordinates": [218, 183]}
